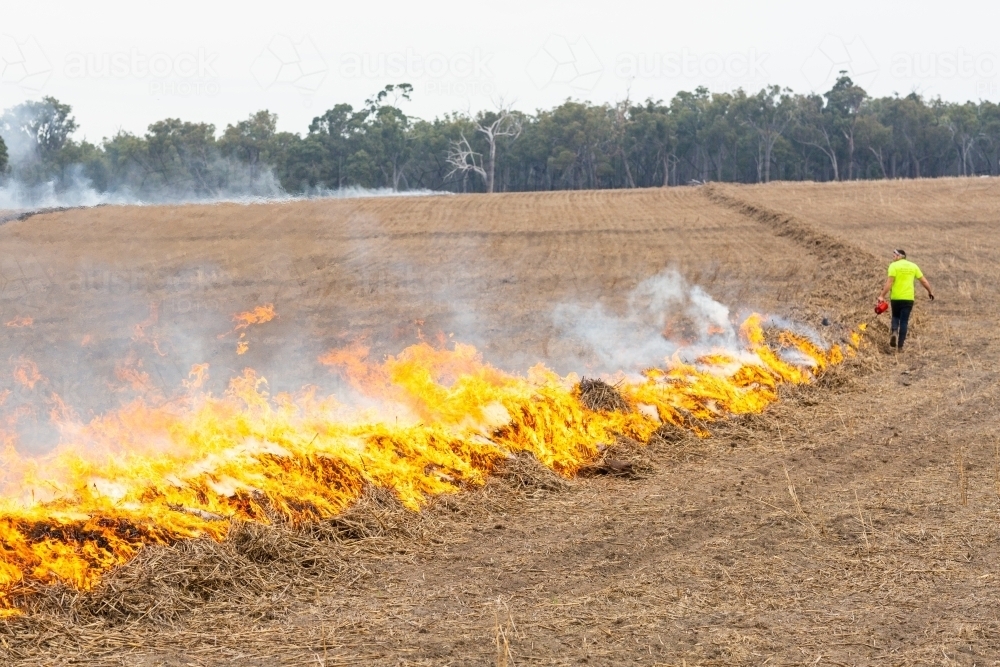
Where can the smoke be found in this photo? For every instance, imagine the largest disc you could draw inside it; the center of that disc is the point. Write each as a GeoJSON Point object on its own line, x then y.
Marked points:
{"type": "Point", "coordinates": [18, 194]}
{"type": "Point", "coordinates": [75, 190]}
{"type": "Point", "coordinates": [663, 315]}
{"type": "Point", "coordinates": [176, 163]}
{"type": "Point", "coordinates": [356, 192]}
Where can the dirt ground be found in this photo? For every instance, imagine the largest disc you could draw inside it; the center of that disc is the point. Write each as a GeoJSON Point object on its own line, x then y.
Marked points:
{"type": "Point", "coordinates": [854, 523]}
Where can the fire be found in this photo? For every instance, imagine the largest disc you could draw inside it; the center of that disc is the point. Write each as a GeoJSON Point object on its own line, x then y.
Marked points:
{"type": "Point", "coordinates": [19, 322]}
{"type": "Point", "coordinates": [856, 335]}
{"type": "Point", "coordinates": [129, 372]}
{"type": "Point", "coordinates": [26, 373]}
{"type": "Point", "coordinates": [141, 333]}
{"type": "Point", "coordinates": [258, 315]}
{"type": "Point", "coordinates": [197, 377]}
{"type": "Point", "coordinates": [158, 473]}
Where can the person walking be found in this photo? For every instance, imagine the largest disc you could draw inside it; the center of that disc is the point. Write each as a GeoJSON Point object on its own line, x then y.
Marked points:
{"type": "Point", "coordinates": [899, 287]}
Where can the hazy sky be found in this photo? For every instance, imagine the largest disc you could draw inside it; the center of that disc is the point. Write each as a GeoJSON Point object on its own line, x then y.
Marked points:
{"type": "Point", "coordinates": [125, 65]}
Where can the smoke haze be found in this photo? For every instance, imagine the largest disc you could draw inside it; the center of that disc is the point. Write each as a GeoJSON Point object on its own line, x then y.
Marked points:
{"type": "Point", "coordinates": [175, 163]}
{"type": "Point", "coordinates": [663, 315]}
{"type": "Point", "coordinates": [78, 191]}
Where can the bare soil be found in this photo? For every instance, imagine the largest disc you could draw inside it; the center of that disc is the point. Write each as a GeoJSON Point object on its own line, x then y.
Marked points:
{"type": "Point", "coordinates": [854, 523]}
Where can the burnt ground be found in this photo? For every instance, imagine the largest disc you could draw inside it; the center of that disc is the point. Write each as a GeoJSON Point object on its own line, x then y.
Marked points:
{"type": "Point", "coordinates": [854, 523]}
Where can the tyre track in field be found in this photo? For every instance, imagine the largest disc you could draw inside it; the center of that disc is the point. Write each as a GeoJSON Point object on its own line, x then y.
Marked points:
{"type": "Point", "coordinates": [708, 562]}
{"type": "Point", "coordinates": [848, 269]}
{"type": "Point", "coordinates": [18, 215]}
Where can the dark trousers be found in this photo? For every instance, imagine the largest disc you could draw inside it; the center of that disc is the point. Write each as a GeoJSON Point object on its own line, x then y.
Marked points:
{"type": "Point", "coordinates": [900, 319]}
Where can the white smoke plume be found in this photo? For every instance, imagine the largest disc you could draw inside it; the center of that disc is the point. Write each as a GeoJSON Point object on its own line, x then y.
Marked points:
{"type": "Point", "coordinates": [663, 315]}
{"type": "Point", "coordinates": [36, 134]}
{"type": "Point", "coordinates": [15, 195]}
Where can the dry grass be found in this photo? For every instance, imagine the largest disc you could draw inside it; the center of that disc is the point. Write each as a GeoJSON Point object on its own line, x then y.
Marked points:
{"type": "Point", "coordinates": [523, 473]}
{"type": "Point", "coordinates": [624, 458]}
{"type": "Point", "coordinates": [489, 270]}
{"type": "Point", "coordinates": [853, 523]}
{"type": "Point", "coordinates": [599, 396]}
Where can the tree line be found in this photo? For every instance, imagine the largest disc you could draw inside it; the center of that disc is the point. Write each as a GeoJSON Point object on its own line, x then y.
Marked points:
{"type": "Point", "coordinates": [699, 136]}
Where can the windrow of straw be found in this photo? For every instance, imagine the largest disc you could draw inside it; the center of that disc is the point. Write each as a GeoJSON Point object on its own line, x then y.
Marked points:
{"type": "Point", "coordinates": [268, 470]}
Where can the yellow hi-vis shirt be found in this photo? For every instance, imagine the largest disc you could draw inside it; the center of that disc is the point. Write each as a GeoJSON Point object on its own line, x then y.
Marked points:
{"type": "Point", "coordinates": [904, 272]}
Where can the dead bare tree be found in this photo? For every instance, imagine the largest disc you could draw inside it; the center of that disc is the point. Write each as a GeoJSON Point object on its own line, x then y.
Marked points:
{"type": "Point", "coordinates": [463, 159]}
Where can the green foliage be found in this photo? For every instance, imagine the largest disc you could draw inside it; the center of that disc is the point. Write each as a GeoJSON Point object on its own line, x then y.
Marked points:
{"type": "Point", "coordinates": [252, 140]}
{"type": "Point", "coordinates": [3, 157]}
{"type": "Point", "coordinates": [45, 125]}
{"type": "Point", "coordinates": [35, 134]}
{"type": "Point", "coordinates": [739, 136]}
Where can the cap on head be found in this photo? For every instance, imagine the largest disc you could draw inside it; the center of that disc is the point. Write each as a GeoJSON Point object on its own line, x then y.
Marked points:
{"type": "Point", "coordinates": [899, 253]}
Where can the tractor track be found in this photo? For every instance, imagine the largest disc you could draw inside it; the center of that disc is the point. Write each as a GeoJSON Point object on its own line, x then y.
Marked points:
{"type": "Point", "coordinates": [18, 215]}
{"type": "Point", "coordinates": [829, 530]}
{"type": "Point", "coordinates": [842, 262]}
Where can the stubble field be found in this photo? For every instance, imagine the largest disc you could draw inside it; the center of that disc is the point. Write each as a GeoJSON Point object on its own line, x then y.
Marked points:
{"type": "Point", "coordinates": [855, 522]}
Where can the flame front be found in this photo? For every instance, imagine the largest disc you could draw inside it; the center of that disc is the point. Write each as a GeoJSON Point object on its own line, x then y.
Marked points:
{"type": "Point", "coordinates": [155, 474]}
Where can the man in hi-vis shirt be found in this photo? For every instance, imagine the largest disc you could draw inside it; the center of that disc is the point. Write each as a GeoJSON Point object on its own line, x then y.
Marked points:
{"type": "Point", "coordinates": [899, 287]}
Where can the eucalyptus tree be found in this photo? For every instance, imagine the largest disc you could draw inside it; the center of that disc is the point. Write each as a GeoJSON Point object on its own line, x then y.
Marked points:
{"type": "Point", "coordinates": [41, 128]}
{"type": "Point", "coordinates": [989, 144]}
{"type": "Point", "coordinates": [334, 137]}
{"type": "Point", "coordinates": [386, 134]}
{"type": "Point", "coordinates": [845, 103]}
{"type": "Point", "coordinates": [815, 126]}
{"type": "Point", "coordinates": [768, 112]}
{"type": "Point", "coordinates": [964, 124]}
{"type": "Point", "coordinates": [250, 140]}
{"type": "Point", "coordinates": [653, 135]}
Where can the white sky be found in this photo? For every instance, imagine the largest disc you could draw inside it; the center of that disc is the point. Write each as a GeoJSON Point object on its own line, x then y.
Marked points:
{"type": "Point", "coordinates": [124, 65]}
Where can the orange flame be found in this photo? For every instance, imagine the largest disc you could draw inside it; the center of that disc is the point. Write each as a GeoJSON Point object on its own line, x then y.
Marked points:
{"type": "Point", "coordinates": [26, 373]}
{"type": "Point", "coordinates": [140, 333]}
{"type": "Point", "coordinates": [129, 371]}
{"type": "Point", "coordinates": [352, 361]}
{"type": "Point", "coordinates": [197, 377]}
{"type": "Point", "coordinates": [139, 330]}
{"type": "Point", "coordinates": [258, 315]}
{"type": "Point", "coordinates": [19, 321]}
{"type": "Point", "coordinates": [158, 474]}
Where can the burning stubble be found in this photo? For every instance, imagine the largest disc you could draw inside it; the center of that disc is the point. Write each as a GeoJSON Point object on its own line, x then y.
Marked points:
{"type": "Point", "coordinates": [430, 420]}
